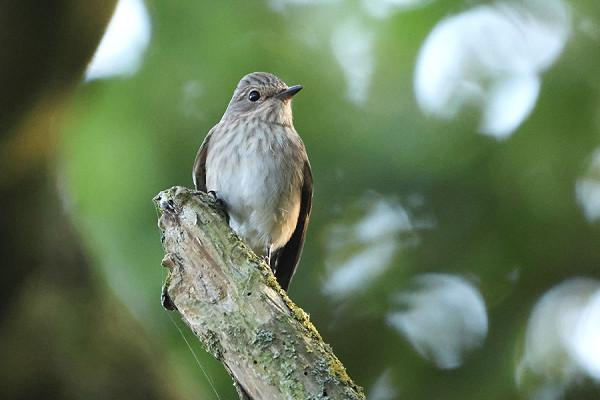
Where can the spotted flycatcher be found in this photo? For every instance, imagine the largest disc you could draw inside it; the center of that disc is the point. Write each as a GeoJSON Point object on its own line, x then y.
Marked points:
{"type": "Point", "coordinates": [255, 163]}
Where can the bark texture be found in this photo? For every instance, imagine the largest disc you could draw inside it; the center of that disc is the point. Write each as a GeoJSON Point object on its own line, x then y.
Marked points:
{"type": "Point", "coordinates": [232, 302]}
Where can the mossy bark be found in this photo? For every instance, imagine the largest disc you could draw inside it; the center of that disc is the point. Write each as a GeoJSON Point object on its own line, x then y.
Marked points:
{"type": "Point", "coordinates": [232, 302]}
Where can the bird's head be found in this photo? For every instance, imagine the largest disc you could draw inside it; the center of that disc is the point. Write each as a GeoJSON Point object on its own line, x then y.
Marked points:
{"type": "Point", "coordinates": [262, 96]}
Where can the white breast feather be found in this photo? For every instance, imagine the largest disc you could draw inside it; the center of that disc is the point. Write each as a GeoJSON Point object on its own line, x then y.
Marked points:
{"type": "Point", "coordinates": [247, 175]}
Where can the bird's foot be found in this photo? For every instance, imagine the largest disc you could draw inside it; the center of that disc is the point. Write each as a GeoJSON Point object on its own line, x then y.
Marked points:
{"type": "Point", "coordinates": [213, 194]}
{"type": "Point", "coordinates": [219, 202]}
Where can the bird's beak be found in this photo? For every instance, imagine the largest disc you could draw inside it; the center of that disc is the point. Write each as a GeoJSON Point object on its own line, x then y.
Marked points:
{"type": "Point", "coordinates": [289, 92]}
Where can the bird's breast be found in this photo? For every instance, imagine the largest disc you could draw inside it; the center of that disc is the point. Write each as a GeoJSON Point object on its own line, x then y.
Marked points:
{"type": "Point", "coordinates": [256, 169]}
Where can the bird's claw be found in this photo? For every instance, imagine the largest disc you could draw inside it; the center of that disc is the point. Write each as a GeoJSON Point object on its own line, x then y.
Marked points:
{"type": "Point", "coordinates": [213, 194]}
{"type": "Point", "coordinates": [219, 202]}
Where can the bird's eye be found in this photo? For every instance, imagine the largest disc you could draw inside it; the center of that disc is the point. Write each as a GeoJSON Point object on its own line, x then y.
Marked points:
{"type": "Point", "coordinates": [254, 96]}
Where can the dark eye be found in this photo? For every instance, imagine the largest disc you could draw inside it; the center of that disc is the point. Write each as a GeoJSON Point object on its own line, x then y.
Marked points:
{"type": "Point", "coordinates": [254, 96]}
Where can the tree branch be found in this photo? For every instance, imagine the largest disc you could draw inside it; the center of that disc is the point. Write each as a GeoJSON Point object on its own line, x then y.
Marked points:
{"type": "Point", "coordinates": [232, 302]}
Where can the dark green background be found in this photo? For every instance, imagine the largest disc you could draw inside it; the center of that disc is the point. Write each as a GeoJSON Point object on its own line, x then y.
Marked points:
{"type": "Point", "coordinates": [81, 317]}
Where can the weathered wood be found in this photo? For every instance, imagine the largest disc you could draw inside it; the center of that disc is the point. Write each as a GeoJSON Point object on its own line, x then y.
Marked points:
{"type": "Point", "coordinates": [232, 302]}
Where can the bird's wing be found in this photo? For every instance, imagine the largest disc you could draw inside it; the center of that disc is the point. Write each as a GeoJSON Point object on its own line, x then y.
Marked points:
{"type": "Point", "coordinates": [199, 171]}
{"type": "Point", "coordinates": [285, 260]}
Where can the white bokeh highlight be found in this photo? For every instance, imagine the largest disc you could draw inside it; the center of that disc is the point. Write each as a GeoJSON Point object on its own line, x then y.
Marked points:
{"type": "Point", "coordinates": [359, 253]}
{"type": "Point", "coordinates": [443, 317]}
{"type": "Point", "coordinates": [122, 47]}
{"type": "Point", "coordinates": [586, 344]}
{"type": "Point", "coordinates": [587, 189]}
{"type": "Point", "coordinates": [383, 388]}
{"type": "Point", "coordinates": [386, 8]}
{"type": "Point", "coordinates": [352, 45]}
{"type": "Point", "coordinates": [491, 58]}
{"type": "Point", "coordinates": [562, 342]}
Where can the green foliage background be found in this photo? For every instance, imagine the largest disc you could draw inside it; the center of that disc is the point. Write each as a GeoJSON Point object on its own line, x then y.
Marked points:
{"type": "Point", "coordinates": [497, 206]}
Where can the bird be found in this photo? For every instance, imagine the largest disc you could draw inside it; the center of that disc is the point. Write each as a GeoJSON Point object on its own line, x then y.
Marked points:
{"type": "Point", "coordinates": [255, 164]}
